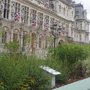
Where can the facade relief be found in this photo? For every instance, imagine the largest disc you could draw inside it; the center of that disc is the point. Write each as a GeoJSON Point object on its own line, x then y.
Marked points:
{"type": "Point", "coordinates": [37, 28]}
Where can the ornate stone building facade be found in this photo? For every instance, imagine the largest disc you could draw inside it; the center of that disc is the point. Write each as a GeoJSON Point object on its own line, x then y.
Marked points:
{"type": "Point", "coordinates": [33, 19]}
{"type": "Point", "coordinates": [81, 25]}
{"type": "Point", "coordinates": [36, 24]}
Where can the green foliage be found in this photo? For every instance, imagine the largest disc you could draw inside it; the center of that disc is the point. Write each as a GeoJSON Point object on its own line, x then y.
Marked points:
{"type": "Point", "coordinates": [12, 47]}
{"type": "Point", "coordinates": [69, 56]}
{"type": "Point", "coordinates": [2, 86]}
{"type": "Point", "coordinates": [21, 73]}
{"type": "Point", "coordinates": [71, 53]}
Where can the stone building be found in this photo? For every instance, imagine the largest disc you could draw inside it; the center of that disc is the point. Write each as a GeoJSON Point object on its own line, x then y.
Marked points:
{"type": "Point", "coordinates": [81, 25]}
{"type": "Point", "coordinates": [36, 23]}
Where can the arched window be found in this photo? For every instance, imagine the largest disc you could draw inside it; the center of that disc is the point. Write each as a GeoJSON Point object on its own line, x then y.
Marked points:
{"type": "Point", "coordinates": [4, 37]}
{"type": "Point", "coordinates": [15, 35]}
{"type": "Point", "coordinates": [4, 34]}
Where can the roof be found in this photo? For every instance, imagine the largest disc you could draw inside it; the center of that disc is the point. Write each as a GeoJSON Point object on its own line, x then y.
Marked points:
{"type": "Point", "coordinates": [50, 70]}
{"type": "Point", "coordinates": [79, 85]}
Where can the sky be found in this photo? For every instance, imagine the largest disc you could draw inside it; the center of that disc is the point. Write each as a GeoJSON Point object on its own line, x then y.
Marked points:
{"type": "Point", "coordinates": [86, 4]}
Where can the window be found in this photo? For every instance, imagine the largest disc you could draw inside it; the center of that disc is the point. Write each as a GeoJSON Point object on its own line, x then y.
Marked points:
{"type": "Point", "coordinates": [24, 14]}
{"type": "Point", "coordinates": [46, 42]}
{"type": "Point", "coordinates": [46, 3]}
{"type": "Point", "coordinates": [64, 10]}
{"type": "Point", "coordinates": [80, 37]}
{"type": "Point", "coordinates": [33, 17]}
{"type": "Point", "coordinates": [40, 20]}
{"type": "Point", "coordinates": [59, 8]}
{"type": "Point", "coordinates": [77, 13]}
{"type": "Point", "coordinates": [15, 11]}
{"type": "Point", "coordinates": [52, 21]}
{"type": "Point", "coordinates": [6, 9]}
{"type": "Point", "coordinates": [80, 25]}
{"type": "Point", "coordinates": [1, 8]}
{"type": "Point", "coordinates": [33, 43]}
{"type": "Point", "coordinates": [40, 42]}
{"type": "Point", "coordinates": [15, 36]}
{"type": "Point", "coordinates": [46, 22]}
{"type": "Point", "coordinates": [39, 1]}
{"type": "Point", "coordinates": [24, 40]}
{"type": "Point", "coordinates": [76, 24]}
{"type": "Point", "coordinates": [4, 37]}
{"type": "Point", "coordinates": [72, 13]}
{"type": "Point", "coordinates": [4, 34]}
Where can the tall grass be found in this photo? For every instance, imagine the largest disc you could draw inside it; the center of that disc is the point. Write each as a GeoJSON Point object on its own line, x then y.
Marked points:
{"type": "Point", "coordinates": [21, 73]}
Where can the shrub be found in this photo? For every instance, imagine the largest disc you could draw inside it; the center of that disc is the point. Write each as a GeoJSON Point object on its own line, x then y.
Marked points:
{"type": "Point", "coordinates": [68, 56]}
{"type": "Point", "coordinates": [22, 73]}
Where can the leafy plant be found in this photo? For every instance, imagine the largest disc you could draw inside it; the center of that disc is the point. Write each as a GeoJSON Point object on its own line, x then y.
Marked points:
{"type": "Point", "coordinates": [68, 56]}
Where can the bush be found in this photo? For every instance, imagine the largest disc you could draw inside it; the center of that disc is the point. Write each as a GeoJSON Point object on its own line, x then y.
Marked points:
{"type": "Point", "coordinates": [22, 74]}
{"type": "Point", "coordinates": [68, 57]}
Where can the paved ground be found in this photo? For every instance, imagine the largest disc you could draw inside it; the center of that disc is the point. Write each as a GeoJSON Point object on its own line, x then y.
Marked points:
{"type": "Point", "coordinates": [80, 85]}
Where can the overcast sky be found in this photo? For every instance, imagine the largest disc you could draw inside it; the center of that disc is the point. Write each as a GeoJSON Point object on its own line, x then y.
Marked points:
{"type": "Point", "coordinates": [86, 4]}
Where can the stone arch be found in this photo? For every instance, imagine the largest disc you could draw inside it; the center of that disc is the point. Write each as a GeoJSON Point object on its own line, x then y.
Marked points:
{"type": "Point", "coordinates": [60, 42]}
{"type": "Point", "coordinates": [5, 28]}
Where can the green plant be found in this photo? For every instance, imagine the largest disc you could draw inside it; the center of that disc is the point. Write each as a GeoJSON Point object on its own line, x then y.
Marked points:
{"type": "Point", "coordinates": [68, 57]}
{"type": "Point", "coordinates": [22, 72]}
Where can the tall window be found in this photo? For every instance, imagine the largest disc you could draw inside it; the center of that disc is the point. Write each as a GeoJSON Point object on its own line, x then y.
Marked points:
{"type": "Point", "coordinates": [46, 42]}
{"type": "Point", "coordinates": [40, 20]}
{"type": "Point", "coordinates": [33, 17]}
{"type": "Point", "coordinates": [46, 3]}
{"type": "Point", "coordinates": [24, 40]}
{"type": "Point", "coordinates": [15, 11]}
{"type": "Point", "coordinates": [59, 8]}
{"type": "Point", "coordinates": [15, 37]}
{"type": "Point", "coordinates": [51, 5]}
{"type": "Point", "coordinates": [24, 14]}
{"type": "Point", "coordinates": [40, 42]}
{"type": "Point", "coordinates": [6, 8]}
{"type": "Point", "coordinates": [52, 21]}
{"type": "Point", "coordinates": [4, 34]}
{"type": "Point", "coordinates": [46, 22]}
{"type": "Point", "coordinates": [1, 8]}
{"type": "Point", "coordinates": [80, 37]}
{"type": "Point", "coordinates": [80, 25]}
{"type": "Point", "coordinates": [33, 43]}
{"type": "Point", "coordinates": [64, 10]}
{"type": "Point", "coordinates": [4, 37]}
